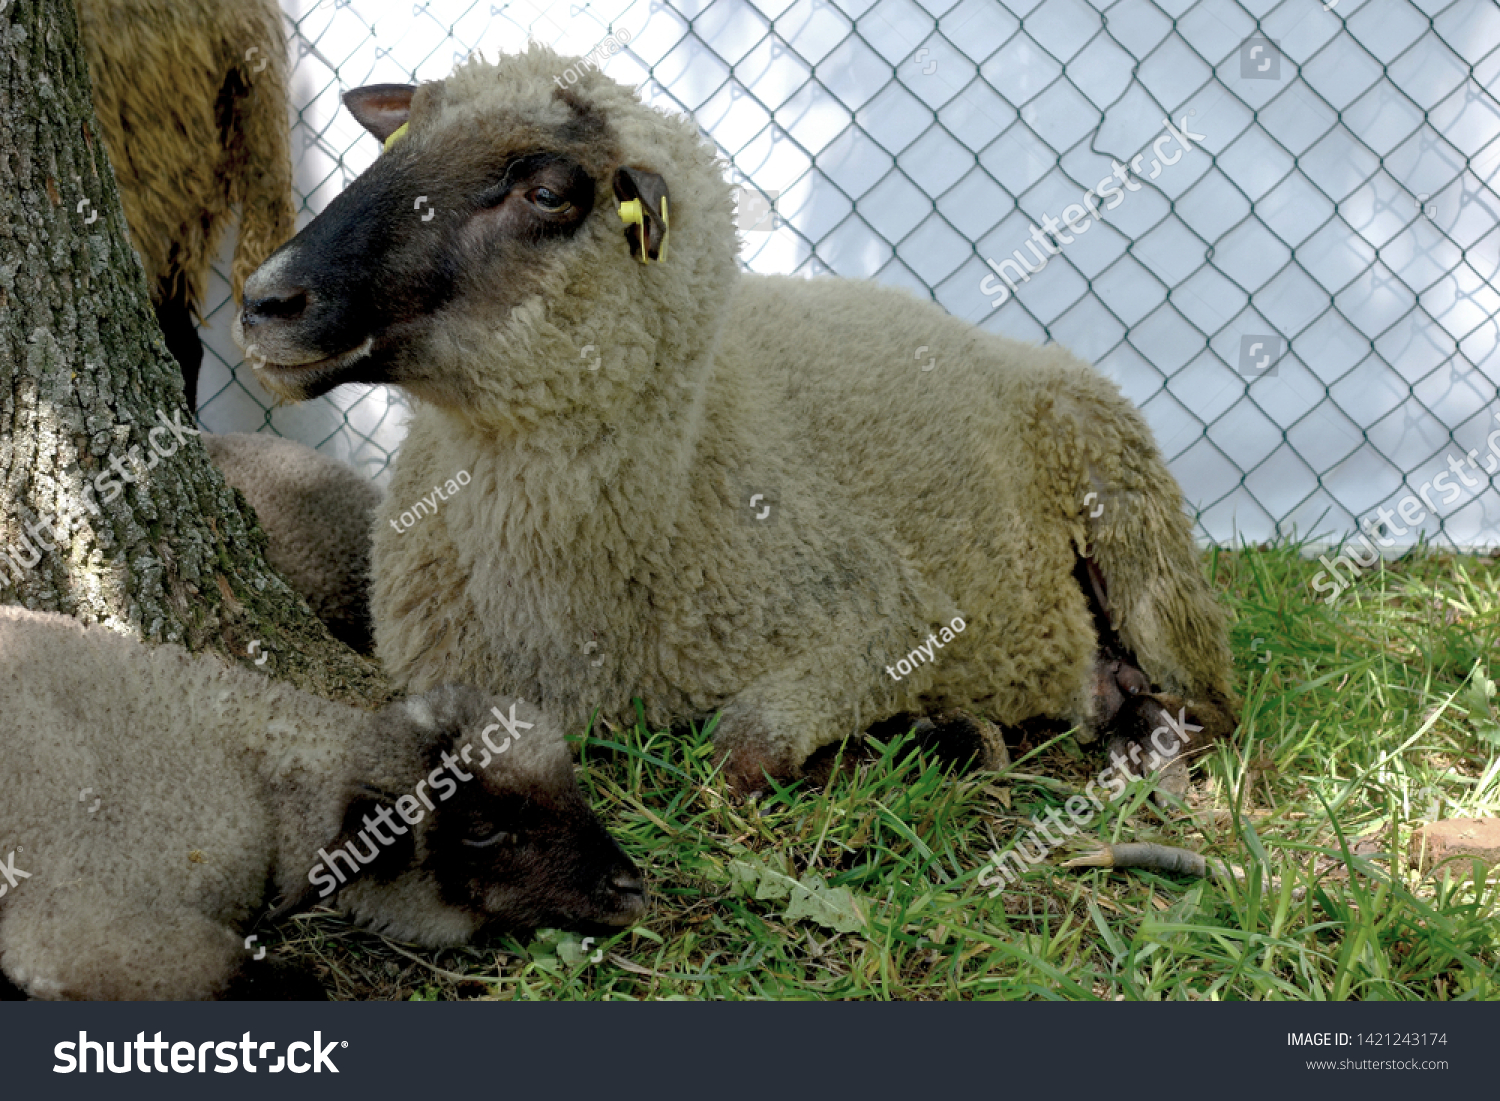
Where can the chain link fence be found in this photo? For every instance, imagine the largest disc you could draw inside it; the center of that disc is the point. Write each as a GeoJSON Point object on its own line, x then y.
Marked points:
{"type": "Point", "coordinates": [1273, 224]}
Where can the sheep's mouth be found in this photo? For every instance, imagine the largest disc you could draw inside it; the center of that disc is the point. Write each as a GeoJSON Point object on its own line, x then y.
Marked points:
{"type": "Point", "coordinates": [335, 362]}
{"type": "Point", "coordinates": [301, 381]}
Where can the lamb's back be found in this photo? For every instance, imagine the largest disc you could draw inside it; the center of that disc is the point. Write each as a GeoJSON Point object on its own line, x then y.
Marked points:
{"type": "Point", "coordinates": [127, 764]}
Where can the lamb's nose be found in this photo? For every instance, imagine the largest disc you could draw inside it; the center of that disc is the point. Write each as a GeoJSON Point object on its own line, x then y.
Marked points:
{"type": "Point", "coordinates": [285, 305]}
{"type": "Point", "coordinates": [630, 899]}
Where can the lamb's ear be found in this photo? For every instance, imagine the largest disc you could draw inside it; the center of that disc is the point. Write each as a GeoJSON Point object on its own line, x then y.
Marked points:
{"type": "Point", "coordinates": [382, 109]}
{"type": "Point", "coordinates": [644, 209]}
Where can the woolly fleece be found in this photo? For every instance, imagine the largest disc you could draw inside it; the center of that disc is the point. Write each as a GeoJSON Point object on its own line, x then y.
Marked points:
{"type": "Point", "coordinates": [317, 513]}
{"type": "Point", "coordinates": [608, 548]}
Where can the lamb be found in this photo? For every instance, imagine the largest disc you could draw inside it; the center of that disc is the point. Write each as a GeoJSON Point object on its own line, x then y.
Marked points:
{"type": "Point", "coordinates": [192, 100]}
{"type": "Point", "coordinates": [156, 801]}
{"type": "Point", "coordinates": [317, 513]}
{"type": "Point", "coordinates": [714, 491]}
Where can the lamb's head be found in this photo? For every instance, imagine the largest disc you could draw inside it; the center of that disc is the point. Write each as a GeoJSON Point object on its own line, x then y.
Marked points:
{"type": "Point", "coordinates": [465, 814]}
{"type": "Point", "coordinates": [484, 261]}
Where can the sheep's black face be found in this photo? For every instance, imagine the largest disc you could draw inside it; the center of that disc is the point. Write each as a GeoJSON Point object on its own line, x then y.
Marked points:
{"type": "Point", "coordinates": [358, 295]}
{"type": "Point", "coordinates": [493, 832]}
{"type": "Point", "coordinates": [530, 860]}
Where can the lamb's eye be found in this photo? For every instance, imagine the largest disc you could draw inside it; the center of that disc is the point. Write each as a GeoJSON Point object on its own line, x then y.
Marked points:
{"type": "Point", "coordinates": [549, 200]}
{"type": "Point", "coordinates": [483, 837]}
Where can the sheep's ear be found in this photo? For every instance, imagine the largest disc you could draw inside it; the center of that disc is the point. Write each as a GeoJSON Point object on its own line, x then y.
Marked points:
{"type": "Point", "coordinates": [644, 210]}
{"type": "Point", "coordinates": [382, 109]}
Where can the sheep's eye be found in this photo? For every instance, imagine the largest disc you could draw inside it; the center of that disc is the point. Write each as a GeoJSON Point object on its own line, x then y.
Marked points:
{"type": "Point", "coordinates": [549, 200]}
{"type": "Point", "coordinates": [484, 837]}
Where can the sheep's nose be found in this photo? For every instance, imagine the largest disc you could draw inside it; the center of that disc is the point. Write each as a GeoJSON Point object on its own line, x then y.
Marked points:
{"type": "Point", "coordinates": [285, 305]}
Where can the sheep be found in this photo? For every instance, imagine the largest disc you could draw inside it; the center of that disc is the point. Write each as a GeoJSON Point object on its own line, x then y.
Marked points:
{"type": "Point", "coordinates": [714, 491]}
{"type": "Point", "coordinates": [317, 513]}
{"type": "Point", "coordinates": [191, 96]}
{"type": "Point", "coordinates": [156, 801]}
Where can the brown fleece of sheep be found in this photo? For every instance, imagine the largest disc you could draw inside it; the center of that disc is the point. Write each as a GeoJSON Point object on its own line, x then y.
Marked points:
{"type": "Point", "coordinates": [192, 98]}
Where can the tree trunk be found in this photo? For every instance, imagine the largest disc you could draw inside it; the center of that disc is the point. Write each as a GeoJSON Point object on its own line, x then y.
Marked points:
{"type": "Point", "coordinates": [107, 514]}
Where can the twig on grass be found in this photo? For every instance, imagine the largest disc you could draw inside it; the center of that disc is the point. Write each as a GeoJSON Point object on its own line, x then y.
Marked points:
{"type": "Point", "coordinates": [1169, 858]}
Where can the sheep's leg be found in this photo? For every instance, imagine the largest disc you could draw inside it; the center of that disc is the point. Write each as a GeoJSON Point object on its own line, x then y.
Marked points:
{"type": "Point", "coordinates": [1136, 719]}
{"type": "Point", "coordinates": [753, 747]}
{"type": "Point", "coordinates": [81, 944]}
{"type": "Point", "coordinates": [774, 724]}
{"type": "Point", "coordinates": [1138, 541]}
{"type": "Point", "coordinates": [1164, 622]}
{"type": "Point", "coordinates": [1116, 676]}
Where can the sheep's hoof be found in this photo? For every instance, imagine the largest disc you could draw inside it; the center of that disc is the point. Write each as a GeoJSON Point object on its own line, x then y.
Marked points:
{"type": "Point", "coordinates": [1117, 684]}
{"type": "Point", "coordinates": [1169, 775]}
{"type": "Point", "coordinates": [1157, 734]}
{"type": "Point", "coordinates": [747, 766]}
{"type": "Point", "coordinates": [1171, 781]}
{"type": "Point", "coordinates": [835, 759]}
{"type": "Point", "coordinates": [962, 736]}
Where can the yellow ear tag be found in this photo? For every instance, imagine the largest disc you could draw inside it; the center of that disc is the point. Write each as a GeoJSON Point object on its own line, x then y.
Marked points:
{"type": "Point", "coordinates": [632, 215]}
{"type": "Point", "coordinates": [666, 231]}
{"type": "Point", "coordinates": [396, 135]}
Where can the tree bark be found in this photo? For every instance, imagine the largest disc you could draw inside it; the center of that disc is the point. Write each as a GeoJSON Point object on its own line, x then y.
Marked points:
{"type": "Point", "coordinates": [105, 514]}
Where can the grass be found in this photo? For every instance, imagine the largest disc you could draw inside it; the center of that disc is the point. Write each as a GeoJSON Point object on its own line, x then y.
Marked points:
{"type": "Point", "coordinates": [1363, 719]}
